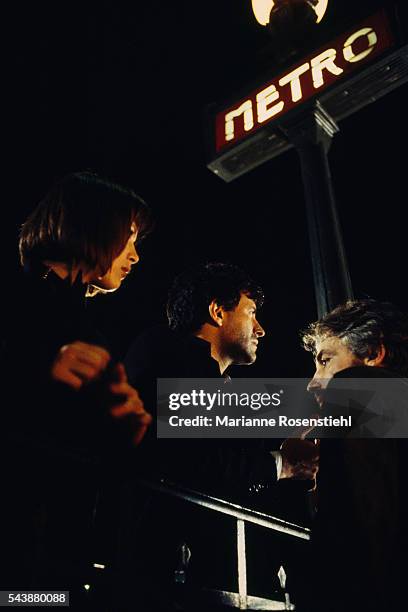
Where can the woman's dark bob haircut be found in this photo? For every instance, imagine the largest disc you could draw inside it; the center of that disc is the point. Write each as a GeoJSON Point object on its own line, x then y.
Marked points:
{"type": "Point", "coordinates": [83, 220]}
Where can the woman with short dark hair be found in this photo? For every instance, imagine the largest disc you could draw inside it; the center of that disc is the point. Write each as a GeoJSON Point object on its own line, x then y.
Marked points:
{"type": "Point", "coordinates": [68, 391]}
{"type": "Point", "coordinates": [84, 223]}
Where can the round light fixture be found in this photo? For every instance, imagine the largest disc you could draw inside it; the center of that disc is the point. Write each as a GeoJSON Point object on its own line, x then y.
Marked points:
{"type": "Point", "coordinates": [262, 10]}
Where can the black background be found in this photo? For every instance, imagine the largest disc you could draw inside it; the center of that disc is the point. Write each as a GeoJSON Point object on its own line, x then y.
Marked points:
{"type": "Point", "coordinates": [121, 88]}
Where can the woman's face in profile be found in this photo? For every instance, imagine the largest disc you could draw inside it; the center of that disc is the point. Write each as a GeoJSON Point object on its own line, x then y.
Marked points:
{"type": "Point", "coordinates": [121, 265]}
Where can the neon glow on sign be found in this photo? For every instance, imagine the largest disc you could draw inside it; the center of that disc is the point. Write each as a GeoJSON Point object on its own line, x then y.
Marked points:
{"type": "Point", "coordinates": [313, 75]}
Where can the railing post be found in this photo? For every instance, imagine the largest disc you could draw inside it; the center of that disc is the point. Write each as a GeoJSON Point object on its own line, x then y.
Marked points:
{"type": "Point", "coordinates": [242, 575]}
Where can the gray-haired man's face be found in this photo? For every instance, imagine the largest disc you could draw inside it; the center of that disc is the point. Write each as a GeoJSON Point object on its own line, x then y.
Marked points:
{"type": "Point", "coordinates": [332, 356]}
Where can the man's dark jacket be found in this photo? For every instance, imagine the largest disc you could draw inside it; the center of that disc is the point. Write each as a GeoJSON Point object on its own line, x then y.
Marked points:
{"type": "Point", "coordinates": [360, 533]}
{"type": "Point", "coordinates": [228, 469]}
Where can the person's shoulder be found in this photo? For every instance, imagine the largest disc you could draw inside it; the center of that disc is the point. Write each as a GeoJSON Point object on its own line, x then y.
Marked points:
{"type": "Point", "coordinates": [21, 283]}
{"type": "Point", "coordinates": [153, 339]}
{"type": "Point", "coordinates": [366, 380]}
{"type": "Point", "coordinates": [196, 358]}
{"type": "Point", "coordinates": [29, 320]}
{"type": "Point", "coordinates": [24, 299]}
{"type": "Point", "coordinates": [170, 354]}
{"type": "Point", "coordinates": [161, 339]}
{"type": "Point", "coordinates": [365, 372]}
{"type": "Point", "coordinates": [148, 350]}
{"type": "Point", "coordinates": [34, 288]}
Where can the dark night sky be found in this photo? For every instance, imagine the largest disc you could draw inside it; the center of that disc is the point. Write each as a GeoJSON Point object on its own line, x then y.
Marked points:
{"type": "Point", "coordinates": [121, 88]}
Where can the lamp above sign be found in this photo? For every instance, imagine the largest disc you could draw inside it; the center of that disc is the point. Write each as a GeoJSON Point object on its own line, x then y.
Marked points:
{"type": "Point", "coordinates": [312, 75]}
{"type": "Point", "coordinates": [262, 9]}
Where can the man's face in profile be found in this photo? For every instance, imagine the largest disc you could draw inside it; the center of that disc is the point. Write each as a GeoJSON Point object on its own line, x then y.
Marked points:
{"type": "Point", "coordinates": [332, 356]}
{"type": "Point", "coordinates": [240, 332]}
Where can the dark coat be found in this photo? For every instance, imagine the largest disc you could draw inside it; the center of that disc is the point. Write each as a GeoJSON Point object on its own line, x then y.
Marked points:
{"type": "Point", "coordinates": [360, 531]}
{"type": "Point", "coordinates": [159, 525]}
{"type": "Point", "coordinates": [232, 469]}
{"type": "Point", "coordinates": [43, 315]}
{"type": "Point", "coordinates": [52, 439]}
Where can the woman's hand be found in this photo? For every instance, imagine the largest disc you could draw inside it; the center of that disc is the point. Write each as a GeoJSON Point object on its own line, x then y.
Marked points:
{"type": "Point", "coordinates": [79, 363]}
{"type": "Point", "coordinates": [129, 403]}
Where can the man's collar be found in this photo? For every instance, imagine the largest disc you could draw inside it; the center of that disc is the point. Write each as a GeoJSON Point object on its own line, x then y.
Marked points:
{"type": "Point", "coordinates": [205, 347]}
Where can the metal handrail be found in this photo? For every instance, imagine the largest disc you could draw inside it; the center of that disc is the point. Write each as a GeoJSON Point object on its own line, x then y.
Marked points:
{"type": "Point", "coordinates": [225, 507]}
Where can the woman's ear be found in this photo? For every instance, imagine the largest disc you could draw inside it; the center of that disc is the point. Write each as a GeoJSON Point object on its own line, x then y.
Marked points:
{"type": "Point", "coordinates": [377, 358]}
{"type": "Point", "coordinates": [216, 313]}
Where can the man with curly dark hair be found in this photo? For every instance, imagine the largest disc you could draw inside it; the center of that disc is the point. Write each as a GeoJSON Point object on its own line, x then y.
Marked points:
{"type": "Point", "coordinates": [212, 325]}
{"type": "Point", "coordinates": [218, 303]}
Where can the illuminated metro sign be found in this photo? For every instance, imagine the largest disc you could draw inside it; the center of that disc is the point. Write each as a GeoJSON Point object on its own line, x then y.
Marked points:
{"type": "Point", "coordinates": [303, 81]}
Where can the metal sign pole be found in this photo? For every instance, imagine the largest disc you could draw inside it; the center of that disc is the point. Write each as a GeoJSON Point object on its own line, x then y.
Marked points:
{"type": "Point", "coordinates": [311, 133]}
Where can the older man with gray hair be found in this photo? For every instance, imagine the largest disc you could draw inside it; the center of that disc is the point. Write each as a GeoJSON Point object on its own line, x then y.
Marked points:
{"type": "Point", "coordinates": [360, 524]}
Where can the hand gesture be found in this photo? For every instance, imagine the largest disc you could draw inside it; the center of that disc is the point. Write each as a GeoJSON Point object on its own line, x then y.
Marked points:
{"type": "Point", "coordinates": [129, 404]}
{"type": "Point", "coordinates": [300, 457]}
{"type": "Point", "coordinates": [79, 363]}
